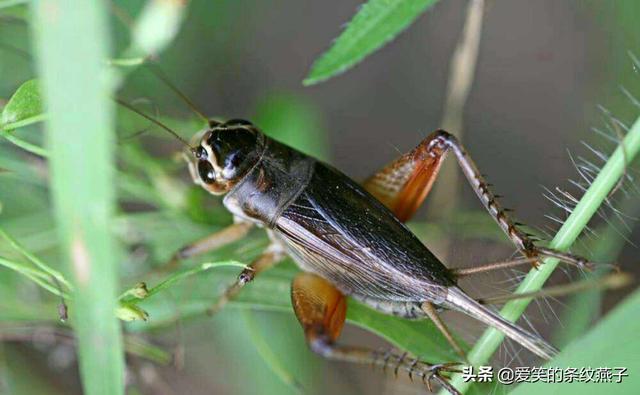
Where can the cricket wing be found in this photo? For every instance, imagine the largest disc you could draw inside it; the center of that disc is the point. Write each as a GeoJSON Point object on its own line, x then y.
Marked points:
{"type": "Point", "coordinates": [338, 230]}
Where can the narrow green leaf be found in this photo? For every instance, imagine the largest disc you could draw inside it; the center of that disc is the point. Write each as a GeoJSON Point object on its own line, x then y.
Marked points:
{"type": "Point", "coordinates": [25, 104]}
{"type": "Point", "coordinates": [271, 358]}
{"type": "Point", "coordinates": [612, 343]}
{"type": "Point", "coordinates": [375, 24]}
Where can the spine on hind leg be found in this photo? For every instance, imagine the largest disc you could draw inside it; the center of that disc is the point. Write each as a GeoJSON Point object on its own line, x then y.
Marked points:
{"type": "Point", "coordinates": [458, 300]}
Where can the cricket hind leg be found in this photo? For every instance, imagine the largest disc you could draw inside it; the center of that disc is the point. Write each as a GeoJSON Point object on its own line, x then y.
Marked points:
{"type": "Point", "coordinates": [430, 310]}
{"type": "Point", "coordinates": [269, 258]}
{"type": "Point", "coordinates": [609, 281]}
{"type": "Point", "coordinates": [321, 310]}
{"type": "Point", "coordinates": [403, 185]}
{"type": "Point", "coordinates": [511, 263]}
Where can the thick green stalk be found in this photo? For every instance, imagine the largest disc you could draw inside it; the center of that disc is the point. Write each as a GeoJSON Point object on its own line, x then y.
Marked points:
{"type": "Point", "coordinates": [570, 230]}
{"type": "Point", "coordinates": [72, 44]}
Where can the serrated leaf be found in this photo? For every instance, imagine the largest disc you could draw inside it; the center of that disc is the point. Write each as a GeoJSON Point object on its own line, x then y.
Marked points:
{"type": "Point", "coordinates": [375, 24]}
{"type": "Point", "coordinates": [24, 105]}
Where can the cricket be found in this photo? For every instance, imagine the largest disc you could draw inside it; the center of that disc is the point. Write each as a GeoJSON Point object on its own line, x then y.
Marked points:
{"type": "Point", "coordinates": [349, 238]}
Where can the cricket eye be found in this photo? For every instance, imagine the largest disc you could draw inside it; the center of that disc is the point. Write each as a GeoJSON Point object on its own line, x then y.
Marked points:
{"type": "Point", "coordinates": [235, 150]}
{"type": "Point", "coordinates": [206, 172]}
{"type": "Point", "coordinates": [201, 153]}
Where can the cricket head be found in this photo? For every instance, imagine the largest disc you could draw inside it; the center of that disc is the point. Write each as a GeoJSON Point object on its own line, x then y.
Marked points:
{"type": "Point", "coordinates": [224, 153]}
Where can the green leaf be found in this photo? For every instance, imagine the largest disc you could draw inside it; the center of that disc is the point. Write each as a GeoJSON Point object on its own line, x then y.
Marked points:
{"type": "Point", "coordinates": [12, 3]}
{"type": "Point", "coordinates": [612, 343]}
{"type": "Point", "coordinates": [24, 106]}
{"type": "Point", "coordinates": [375, 24]}
{"type": "Point", "coordinates": [274, 360]}
{"type": "Point", "coordinates": [421, 338]}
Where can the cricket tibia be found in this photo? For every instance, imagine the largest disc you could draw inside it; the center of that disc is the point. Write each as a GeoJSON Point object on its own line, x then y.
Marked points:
{"type": "Point", "coordinates": [458, 300]}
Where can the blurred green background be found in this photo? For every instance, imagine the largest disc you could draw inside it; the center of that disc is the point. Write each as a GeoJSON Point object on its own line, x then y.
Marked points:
{"type": "Point", "coordinates": [543, 69]}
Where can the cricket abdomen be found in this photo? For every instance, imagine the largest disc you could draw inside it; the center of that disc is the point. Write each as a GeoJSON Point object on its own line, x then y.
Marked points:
{"type": "Point", "coordinates": [409, 310]}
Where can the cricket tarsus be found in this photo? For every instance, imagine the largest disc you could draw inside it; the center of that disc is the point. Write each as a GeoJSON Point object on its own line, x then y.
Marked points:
{"type": "Point", "coordinates": [413, 367]}
{"type": "Point", "coordinates": [272, 256]}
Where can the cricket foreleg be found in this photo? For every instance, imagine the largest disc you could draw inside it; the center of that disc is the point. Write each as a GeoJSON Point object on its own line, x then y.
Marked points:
{"type": "Point", "coordinates": [270, 257]}
{"type": "Point", "coordinates": [321, 309]}
{"type": "Point", "coordinates": [212, 242]}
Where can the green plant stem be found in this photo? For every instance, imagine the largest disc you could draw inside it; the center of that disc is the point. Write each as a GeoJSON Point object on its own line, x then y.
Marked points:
{"type": "Point", "coordinates": [34, 259]}
{"type": "Point", "coordinates": [35, 275]}
{"type": "Point", "coordinates": [24, 122]}
{"type": "Point", "coordinates": [177, 276]}
{"type": "Point", "coordinates": [572, 227]}
{"type": "Point", "coordinates": [72, 43]}
{"type": "Point", "coordinates": [25, 145]}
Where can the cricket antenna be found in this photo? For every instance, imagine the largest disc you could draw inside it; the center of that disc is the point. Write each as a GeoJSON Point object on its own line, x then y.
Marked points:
{"type": "Point", "coordinates": [157, 71]}
{"type": "Point", "coordinates": [150, 118]}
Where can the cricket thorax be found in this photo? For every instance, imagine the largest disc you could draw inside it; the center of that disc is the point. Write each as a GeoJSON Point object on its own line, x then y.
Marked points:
{"type": "Point", "coordinates": [271, 185]}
